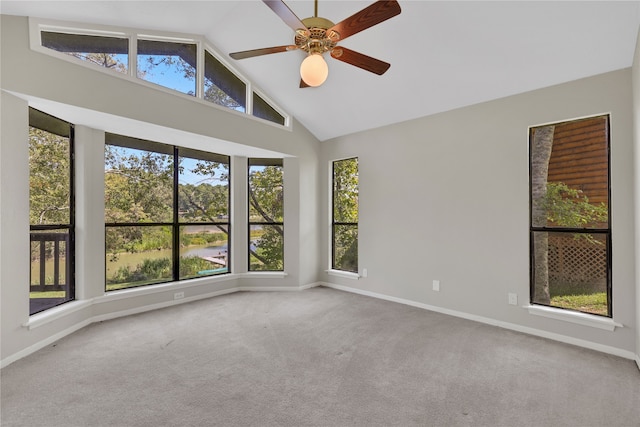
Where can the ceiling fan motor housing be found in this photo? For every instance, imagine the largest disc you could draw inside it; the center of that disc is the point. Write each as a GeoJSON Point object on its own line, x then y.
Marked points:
{"type": "Point", "coordinates": [318, 41]}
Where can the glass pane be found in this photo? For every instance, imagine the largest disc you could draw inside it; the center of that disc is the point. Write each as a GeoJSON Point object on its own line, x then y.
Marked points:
{"type": "Point", "coordinates": [221, 86]}
{"type": "Point", "coordinates": [266, 197]}
{"type": "Point", "coordinates": [345, 190]}
{"type": "Point", "coordinates": [107, 52]}
{"type": "Point", "coordinates": [138, 185]}
{"type": "Point", "coordinates": [569, 174]}
{"type": "Point", "coordinates": [50, 282]}
{"type": "Point", "coordinates": [266, 248]}
{"type": "Point", "coordinates": [138, 256]}
{"type": "Point", "coordinates": [49, 178]}
{"type": "Point", "coordinates": [172, 65]}
{"type": "Point", "coordinates": [204, 250]}
{"type": "Point", "coordinates": [345, 247]}
{"type": "Point", "coordinates": [265, 111]}
{"type": "Point", "coordinates": [203, 191]}
{"type": "Point", "coordinates": [570, 271]}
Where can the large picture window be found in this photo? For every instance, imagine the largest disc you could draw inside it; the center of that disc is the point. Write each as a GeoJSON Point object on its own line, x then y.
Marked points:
{"type": "Point", "coordinates": [166, 213]}
{"type": "Point", "coordinates": [345, 215]}
{"type": "Point", "coordinates": [570, 219]}
{"type": "Point", "coordinates": [266, 215]}
{"type": "Point", "coordinates": [51, 211]}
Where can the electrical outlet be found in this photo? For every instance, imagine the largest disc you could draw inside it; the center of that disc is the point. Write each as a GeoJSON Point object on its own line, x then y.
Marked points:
{"type": "Point", "coordinates": [436, 285]}
{"type": "Point", "coordinates": [364, 272]}
{"type": "Point", "coordinates": [513, 299]}
{"type": "Point", "coordinates": [178, 295]}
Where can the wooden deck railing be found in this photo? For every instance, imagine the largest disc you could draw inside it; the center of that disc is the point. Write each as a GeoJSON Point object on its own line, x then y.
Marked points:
{"type": "Point", "coordinates": [59, 254]}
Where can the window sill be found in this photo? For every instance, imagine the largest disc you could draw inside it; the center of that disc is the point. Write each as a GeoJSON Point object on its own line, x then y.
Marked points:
{"type": "Point", "coordinates": [345, 274]}
{"type": "Point", "coordinates": [574, 317]}
{"type": "Point", "coordinates": [55, 313]}
{"type": "Point", "coordinates": [163, 287]}
{"type": "Point", "coordinates": [264, 275]}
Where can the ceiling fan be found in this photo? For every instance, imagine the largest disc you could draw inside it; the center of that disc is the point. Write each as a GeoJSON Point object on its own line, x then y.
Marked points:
{"type": "Point", "coordinates": [317, 35]}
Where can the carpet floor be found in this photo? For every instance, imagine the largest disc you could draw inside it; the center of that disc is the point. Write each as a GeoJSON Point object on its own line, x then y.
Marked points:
{"type": "Point", "coordinates": [319, 357]}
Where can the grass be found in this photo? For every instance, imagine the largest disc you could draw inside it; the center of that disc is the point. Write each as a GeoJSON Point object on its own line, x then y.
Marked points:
{"type": "Point", "coordinates": [50, 294]}
{"type": "Point", "coordinates": [581, 298]}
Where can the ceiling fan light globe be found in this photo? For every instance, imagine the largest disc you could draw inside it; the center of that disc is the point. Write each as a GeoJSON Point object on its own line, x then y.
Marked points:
{"type": "Point", "coordinates": [314, 70]}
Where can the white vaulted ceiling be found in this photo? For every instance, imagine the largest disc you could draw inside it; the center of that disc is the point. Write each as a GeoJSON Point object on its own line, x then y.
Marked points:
{"type": "Point", "coordinates": [443, 55]}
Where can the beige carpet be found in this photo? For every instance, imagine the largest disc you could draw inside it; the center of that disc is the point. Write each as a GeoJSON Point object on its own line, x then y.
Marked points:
{"type": "Point", "coordinates": [320, 357]}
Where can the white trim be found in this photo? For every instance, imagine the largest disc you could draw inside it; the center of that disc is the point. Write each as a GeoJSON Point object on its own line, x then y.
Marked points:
{"type": "Point", "coordinates": [45, 342]}
{"type": "Point", "coordinates": [263, 275]}
{"type": "Point", "coordinates": [637, 359]}
{"type": "Point", "coordinates": [506, 325]}
{"type": "Point", "coordinates": [344, 274]}
{"type": "Point", "coordinates": [55, 313]}
{"type": "Point", "coordinates": [72, 307]}
{"type": "Point", "coordinates": [574, 317]}
{"type": "Point", "coordinates": [163, 287]}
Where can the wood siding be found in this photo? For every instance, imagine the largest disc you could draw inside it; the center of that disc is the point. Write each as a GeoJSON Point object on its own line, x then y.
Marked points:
{"type": "Point", "coordinates": [579, 157]}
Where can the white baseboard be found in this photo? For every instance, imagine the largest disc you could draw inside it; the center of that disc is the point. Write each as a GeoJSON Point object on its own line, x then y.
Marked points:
{"type": "Point", "coordinates": [638, 360]}
{"type": "Point", "coordinates": [506, 325]}
{"type": "Point", "coordinates": [114, 315]}
{"type": "Point", "coordinates": [45, 342]}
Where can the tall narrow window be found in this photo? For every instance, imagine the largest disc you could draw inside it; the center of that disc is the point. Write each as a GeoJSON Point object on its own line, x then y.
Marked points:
{"type": "Point", "coordinates": [166, 213]}
{"type": "Point", "coordinates": [345, 215]}
{"type": "Point", "coordinates": [203, 212]}
{"type": "Point", "coordinates": [570, 218]}
{"type": "Point", "coordinates": [168, 64]}
{"type": "Point", "coordinates": [266, 215]}
{"type": "Point", "coordinates": [106, 52]}
{"type": "Point", "coordinates": [51, 211]}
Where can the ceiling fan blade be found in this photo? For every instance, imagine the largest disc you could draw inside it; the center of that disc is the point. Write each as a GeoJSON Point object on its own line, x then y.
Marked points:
{"type": "Point", "coordinates": [264, 51]}
{"type": "Point", "coordinates": [360, 60]}
{"type": "Point", "coordinates": [289, 18]}
{"type": "Point", "coordinates": [368, 17]}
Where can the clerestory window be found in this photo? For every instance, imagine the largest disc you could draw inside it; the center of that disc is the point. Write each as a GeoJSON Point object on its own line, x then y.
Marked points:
{"type": "Point", "coordinates": [570, 226]}
{"type": "Point", "coordinates": [162, 60]}
{"type": "Point", "coordinates": [51, 212]}
{"type": "Point", "coordinates": [344, 244]}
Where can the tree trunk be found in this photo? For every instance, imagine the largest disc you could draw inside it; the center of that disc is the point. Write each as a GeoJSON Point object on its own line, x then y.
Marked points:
{"type": "Point", "coordinates": [542, 143]}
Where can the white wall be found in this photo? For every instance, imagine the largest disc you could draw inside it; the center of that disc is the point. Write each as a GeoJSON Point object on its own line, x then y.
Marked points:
{"type": "Point", "coordinates": [445, 197]}
{"type": "Point", "coordinates": [97, 102]}
{"type": "Point", "coordinates": [636, 129]}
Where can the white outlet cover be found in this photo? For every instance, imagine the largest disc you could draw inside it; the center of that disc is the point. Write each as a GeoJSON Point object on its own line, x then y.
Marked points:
{"type": "Point", "coordinates": [436, 285]}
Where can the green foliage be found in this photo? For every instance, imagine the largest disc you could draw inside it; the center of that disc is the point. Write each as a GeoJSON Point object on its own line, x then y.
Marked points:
{"type": "Point", "coordinates": [345, 191]}
{"type": "Point", "coordinates": [269, 250]}
{"type": "Point", "coordinates": [49, 178]}
{"type": "Point", "coordinates": [266, 205]}
{"type": "Point", "coordinates": [151, 269]}
{"type": "Point", "coordinates": [595, 303]}
{"type": "Point", "coordinates": [570, 207]}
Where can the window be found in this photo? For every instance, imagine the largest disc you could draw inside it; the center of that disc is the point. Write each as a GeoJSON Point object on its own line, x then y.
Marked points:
{"type": "Point", "coordinates": [168, 64]}
{"type": "Point", "coordinates": [265, 111]}
{"type": "Point", "coordinates": [160, 59]}
{"type": "Point", "coordinates": [570, 219]}
{"type": "Point", "coordinates": [166, 213]}
{"type": "Point", "coordinates": [345, 215]}
{"type": "Point", "coordinates": [266, 215]}
{"type": "Point", "coordinates": [107, 52]}
{"type": "Point", "coordinates": [51, 211]}
{"type": "Point", "coordinates": [221, 86]}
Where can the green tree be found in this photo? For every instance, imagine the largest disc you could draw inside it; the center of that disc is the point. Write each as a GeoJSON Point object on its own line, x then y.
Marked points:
{"type": "Point", "coordinates": [49, 173]}
{"type": "Point", "coordinates": [266, 205]}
